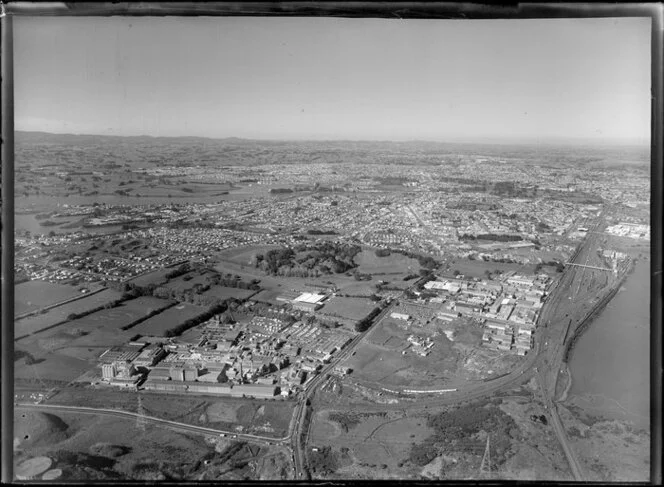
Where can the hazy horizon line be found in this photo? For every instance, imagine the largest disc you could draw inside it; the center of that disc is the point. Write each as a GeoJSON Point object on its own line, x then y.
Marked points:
{"type": "Point", "coordinates": [525, 140]}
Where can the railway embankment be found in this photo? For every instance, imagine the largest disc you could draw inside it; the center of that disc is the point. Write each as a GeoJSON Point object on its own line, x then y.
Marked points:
{"type": "Point", "coordinates": [594, 313]}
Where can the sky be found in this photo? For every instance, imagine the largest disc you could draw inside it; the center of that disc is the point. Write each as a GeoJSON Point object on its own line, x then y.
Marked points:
{"type": "Point", "coordinates": [330, 78]}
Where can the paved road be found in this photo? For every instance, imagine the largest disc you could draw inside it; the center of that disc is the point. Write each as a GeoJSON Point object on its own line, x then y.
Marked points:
{"type": "Point", "coordinates": [560, 431]}
{"type": "Point", "coordinates": [150, 419]}
{"type": "Point", "coordinates": [297, 432]}
{"type": "Point", "coordinates": [545, 357]}
{"type": "Point", "coordinates": [547, 354]}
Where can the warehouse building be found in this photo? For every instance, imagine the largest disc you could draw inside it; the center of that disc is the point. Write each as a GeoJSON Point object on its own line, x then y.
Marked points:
{"type": "Point", "coordinates": [308, 307]}
{"type": "Point", "coordinates": [255, 390]}
{"type": "Point", "coordinates": [115, 354]}
{"type": "Point", "coordinates": [248, 390]}
{"type": "Point", "coordinates": [150, 356]}
{"type": "Point", "coordinates": [308, 302]}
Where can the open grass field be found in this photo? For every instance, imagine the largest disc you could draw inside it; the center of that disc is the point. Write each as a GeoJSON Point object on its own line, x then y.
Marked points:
{"type": "Point", "coordinates": [124, 314]}
{"type": "Point", "coordinates": [65, 352]}
{"type": "Point", "coordinates": [71, 337]}
{"type": "Point", "coordinates": [51, 366]}
{"type": "Point", "coordinates": [244, 255]}
{"type": "Point", "coordinates": [33, 295]}
{"type": "Point", "coordinates": [270, 418]}
{"type": "Point", "coordinates": [108, 197]}
{"type": "Point", "coordinates": [182, 284]}
{"type": "Point", "coordinates": [358, 288]}
{"type": "Point", "coordinates": [38, 322]}
{"type": "Point", "coordinates": [389, 335]}
{"type": "Point", "coordinates": [631, 246]}
{"type": "Point", "coordinates": [23, 222]}
{"type": "Point", "coordinates": [158, 324]}
{"type": "Point", "coordinates": [156, 277]}
{"type": "Point", "coordinates": [268, 296]}
{"type": "Point", "coordinates": [222, 292]}
{"type": "Point", "coordinates": [477, 268]}
{"type": "Point", "coordinates": [382, 366]}
{"type": "Point", "coordinates": [374, 444]}
{"type": "Point", "coordinates": [88, 447]}
{"type": "Point", "coordinates": [392, 265]}
{"type": "Point", "coordinates": [350, 308]}
{"type": "Point", "coordinates": [380, 360]}
{"type": "Point", "coordinates": [257, 416]}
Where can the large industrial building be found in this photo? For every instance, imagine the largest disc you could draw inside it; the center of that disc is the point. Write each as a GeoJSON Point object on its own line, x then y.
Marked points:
{"type": "Point", "coordinates": [308, 302]}
{"type": "Point", "coordinates": [245, 390]}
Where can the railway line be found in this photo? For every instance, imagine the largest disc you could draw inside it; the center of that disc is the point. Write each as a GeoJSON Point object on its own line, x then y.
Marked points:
{"type": "Point", "coordinates": [555, 327]}
{"type": "Point", "coordinates": [556, 332]}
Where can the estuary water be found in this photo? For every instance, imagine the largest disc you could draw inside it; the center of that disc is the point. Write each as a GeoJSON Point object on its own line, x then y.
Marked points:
{"type": "Point", "coordinates": [610, 365]}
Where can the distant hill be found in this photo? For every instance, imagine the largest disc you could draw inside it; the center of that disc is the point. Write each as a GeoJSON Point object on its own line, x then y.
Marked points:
{"type": "Point", "coordinates": [82, 139]}
{"type": "Point", "coordinates": [190, 150]}
{"type": "Point", "coordinates": [46, 137]}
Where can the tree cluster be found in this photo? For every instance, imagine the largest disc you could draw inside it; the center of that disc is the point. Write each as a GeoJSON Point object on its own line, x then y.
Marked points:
{"type": "Point", "coordinates": [366, 322]}
{"type": "Point", "coordinates": [359, 276]}
{"type": "Point", "coordinates": [183, 269]}
{"type": "Point", "coordinates": [112, 304]}
{"type": "Point", "coordinates": [318, 258]}
{"type": "Point", "coordinates": [233, 281]}
{"type": "Point", "coordinates": [553, 263]}
{"type": "Point", "coordinates": [324, 461]}
{"type": "Point", "coordinates": [424, 260]}
{"type": "Point", "coordinates": [196, 320]}
{"type": "Point", "coordinates": [453, 428]}
{"type": "Point", "coordinates": [493, 237]}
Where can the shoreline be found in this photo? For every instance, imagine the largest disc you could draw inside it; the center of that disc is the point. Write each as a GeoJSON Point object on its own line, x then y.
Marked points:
{"type": "Point", "coordinates": [598, 404]}
{"type": "Point", "coordinates": [568, 385]}
{"type": "Point", "coordinates": [590, 319]}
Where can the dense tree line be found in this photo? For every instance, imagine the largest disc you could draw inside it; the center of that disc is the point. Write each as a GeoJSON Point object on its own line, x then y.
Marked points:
{"type": "Point", "coordinates": [29, 358]}
{"type": "Point", "coordinates": [151, 312]}
{"type": "Point", "coordinates": [233, 281]}
{"type": "Point", "coordinates": [424, 260]}
{"type": "Point", "coordinates": [183, 269]}
{"type": "Point", "coordinates": [112, 304]}
{"type": "Point", "coordinates": [492, 236]}
{"type": "Point", "coordinates": [366, 322]}
{"type": "Point", "coordinates": [552, 263]}
{"type": "Point", "coordinates": [196, 320]}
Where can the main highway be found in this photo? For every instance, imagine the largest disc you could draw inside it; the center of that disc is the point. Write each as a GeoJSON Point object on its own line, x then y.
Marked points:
{"type": "Point", "coordinates": [297, 432]}
{"type": "Point", "coordinates": [555, 326]}
{"type": "Point", "coordinates": [187, 428]}
{"type": "Point", "coordinates": [544, 362]}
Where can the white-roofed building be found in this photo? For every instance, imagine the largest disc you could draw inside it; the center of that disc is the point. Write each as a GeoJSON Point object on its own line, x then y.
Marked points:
{"type": "Point", "coordinates": [309, 298]}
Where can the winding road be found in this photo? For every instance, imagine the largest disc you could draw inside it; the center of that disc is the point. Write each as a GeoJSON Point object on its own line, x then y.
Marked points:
{"type": "Point", "coordinates": [188, 428]}
{"type": "Point", "coordinates": [543, 362]}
